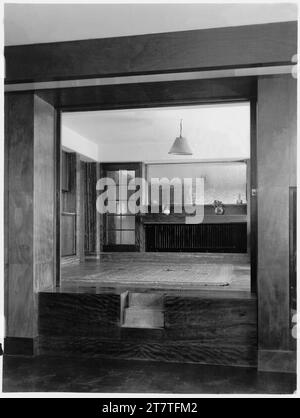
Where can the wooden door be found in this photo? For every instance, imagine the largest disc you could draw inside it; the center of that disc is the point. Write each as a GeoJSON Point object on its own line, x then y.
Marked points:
{"type": "Point", "coordinates": [121, 232]}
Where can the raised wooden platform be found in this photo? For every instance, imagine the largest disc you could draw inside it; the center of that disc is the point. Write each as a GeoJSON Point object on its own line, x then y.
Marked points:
{"type": "Point", "coordinates": [197, 328]}
{"type": "Point", "coordinates": [94, 314]}
{"type": "Point", "coordinates": [159, 271]}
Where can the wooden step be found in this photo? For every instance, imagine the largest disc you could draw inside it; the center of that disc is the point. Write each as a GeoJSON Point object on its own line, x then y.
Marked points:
{"type": "Point", "coordinates": [136, 317]}
{"type": "Point", "coordinates": [145, 300]}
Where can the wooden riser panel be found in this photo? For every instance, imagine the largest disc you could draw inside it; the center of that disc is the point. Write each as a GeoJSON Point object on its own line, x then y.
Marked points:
{"type": "Point", "coordinates": [197, 330]}
{"type": "Point", "coordinates": [174, 352]}
{"type": "Point", "coordinates": [79, 314]}
{"type": "Point", "coordinates": [216, 321]}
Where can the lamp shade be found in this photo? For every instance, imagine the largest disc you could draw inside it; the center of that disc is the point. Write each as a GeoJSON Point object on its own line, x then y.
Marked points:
{"type": "Point", "coordinates": [180, 145]}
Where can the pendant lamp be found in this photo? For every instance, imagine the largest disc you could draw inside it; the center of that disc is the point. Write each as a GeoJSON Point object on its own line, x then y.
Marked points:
{"type": "Point", "coordinates": [180, 145]}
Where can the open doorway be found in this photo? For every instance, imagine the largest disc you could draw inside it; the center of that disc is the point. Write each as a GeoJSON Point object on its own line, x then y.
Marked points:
{"type": "Point", "coordinates": [157, 249]}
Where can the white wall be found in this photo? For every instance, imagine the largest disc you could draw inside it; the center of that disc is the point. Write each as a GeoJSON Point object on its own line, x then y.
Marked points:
{"type": "Point", "coordinates": [73, 142]}
{"type": "Point", "coordinates": [36, 23]}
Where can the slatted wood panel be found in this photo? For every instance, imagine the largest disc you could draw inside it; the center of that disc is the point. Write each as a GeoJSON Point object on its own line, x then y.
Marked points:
{"type": "Point", "coordinates": [200, 237]}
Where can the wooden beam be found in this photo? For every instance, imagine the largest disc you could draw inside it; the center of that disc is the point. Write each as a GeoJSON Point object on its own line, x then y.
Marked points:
{"type": "Point", "coordinates": [231, 47]}
{"type": "Point", "coordinates": [152, 94]}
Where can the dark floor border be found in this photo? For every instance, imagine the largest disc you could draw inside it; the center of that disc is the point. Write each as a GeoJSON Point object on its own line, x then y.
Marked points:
{"type": "Point", "coordinates": [20, 346]}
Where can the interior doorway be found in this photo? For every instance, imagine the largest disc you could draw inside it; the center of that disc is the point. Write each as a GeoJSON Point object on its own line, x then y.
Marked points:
{"type": "Point", "coordinates": [123, 144]}
{"type": "Point", "coordinates": [120, 229]}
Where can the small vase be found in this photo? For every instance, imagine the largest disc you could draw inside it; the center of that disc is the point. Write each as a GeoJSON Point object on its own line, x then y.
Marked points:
{"type": "Point", "coordinates": [219, 210]}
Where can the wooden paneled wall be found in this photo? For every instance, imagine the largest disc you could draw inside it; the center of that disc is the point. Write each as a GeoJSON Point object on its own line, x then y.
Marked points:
{"type": "Point", "coordinates": [30, 229]}
{"type": "Point", "coordinates": [276, 160]}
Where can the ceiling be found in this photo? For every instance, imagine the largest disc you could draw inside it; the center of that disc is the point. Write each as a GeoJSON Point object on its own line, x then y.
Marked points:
{"type": "Point", "coordinates": [38, 23]}
{"type": "Point", "coordinates": [213, 131]}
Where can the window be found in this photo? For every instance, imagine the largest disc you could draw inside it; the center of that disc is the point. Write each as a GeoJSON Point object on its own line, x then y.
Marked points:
{"type": "Point", "coordinates": [224, 181]}
{"type": "Point", "coordinates": [120, 227]}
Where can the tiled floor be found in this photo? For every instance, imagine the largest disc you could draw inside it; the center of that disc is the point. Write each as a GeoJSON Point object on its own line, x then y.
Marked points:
{"type": "Point", "coordinates": [61, 374]}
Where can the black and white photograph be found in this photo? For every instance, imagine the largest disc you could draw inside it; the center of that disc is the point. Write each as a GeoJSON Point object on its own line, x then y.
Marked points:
{"type": "Point", "coordinates": [148, 211]}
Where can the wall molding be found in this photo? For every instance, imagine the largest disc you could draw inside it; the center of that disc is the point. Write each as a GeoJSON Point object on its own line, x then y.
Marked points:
{"type": "Point", "coordinates": [151, 78]}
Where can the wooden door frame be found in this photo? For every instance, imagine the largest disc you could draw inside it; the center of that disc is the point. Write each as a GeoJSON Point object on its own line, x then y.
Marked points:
{"type": "Point", "coordinates": [57, 182]}
{"type": "Point", "coordinates": [253, 194]}
{"type": "Point", "coordinates": [248, 94]}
